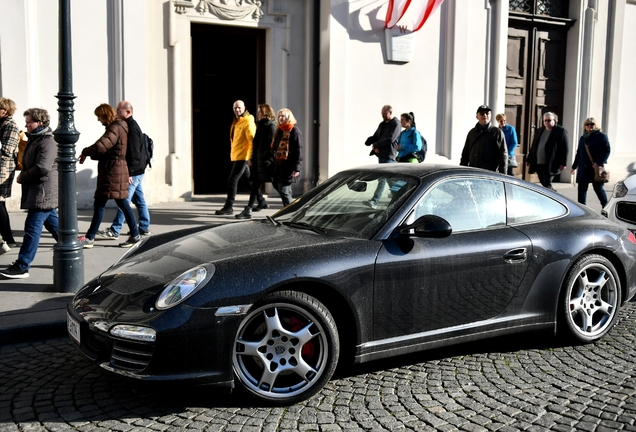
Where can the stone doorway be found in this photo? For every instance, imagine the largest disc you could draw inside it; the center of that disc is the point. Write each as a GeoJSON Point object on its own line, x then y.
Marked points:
{"type": "Point", "coordinates": [228, 63]}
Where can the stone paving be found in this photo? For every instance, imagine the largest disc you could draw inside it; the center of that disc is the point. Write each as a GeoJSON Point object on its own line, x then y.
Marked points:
{"type": "Point", "coordinates": [528, 382]}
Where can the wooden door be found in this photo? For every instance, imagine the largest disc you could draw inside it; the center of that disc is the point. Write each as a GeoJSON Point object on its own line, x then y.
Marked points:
{"type": "Point", "coordinates": [534, 82]}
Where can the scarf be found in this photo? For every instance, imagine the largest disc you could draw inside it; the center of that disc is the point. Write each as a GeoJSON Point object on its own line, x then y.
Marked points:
{"type": "Point", "coordinates": [37, 131]}
{"type": "Point", "coordinates": [280, 153]}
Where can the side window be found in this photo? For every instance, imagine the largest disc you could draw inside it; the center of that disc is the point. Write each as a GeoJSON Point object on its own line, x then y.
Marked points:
{"type": "Point", "coordinates": [467, 204]}
{"type": "Point", "coordinates": [525, 206]}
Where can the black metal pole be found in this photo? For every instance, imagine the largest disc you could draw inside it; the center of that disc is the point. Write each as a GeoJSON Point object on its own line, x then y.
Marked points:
{"type": "Point", "coordinates": [68, 255]}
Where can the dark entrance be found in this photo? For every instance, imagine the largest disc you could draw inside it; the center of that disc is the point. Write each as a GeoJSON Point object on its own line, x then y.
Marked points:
{"type": "Point", "coordinates": [228, 63]}
{"type": "Point", "coordinates": [535, 68]}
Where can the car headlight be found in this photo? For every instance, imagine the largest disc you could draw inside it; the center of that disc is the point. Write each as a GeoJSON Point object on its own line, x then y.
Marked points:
{"type": "Point", "coordinates": [182, 287]}
{"type": "Point", "coordinates": [620, 190]}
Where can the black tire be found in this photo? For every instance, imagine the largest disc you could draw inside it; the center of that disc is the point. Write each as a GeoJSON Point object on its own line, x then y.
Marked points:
{"type": "Point", "coordinates": [591, 298]}
{"type": "Point", "coordinates": [286, 348]}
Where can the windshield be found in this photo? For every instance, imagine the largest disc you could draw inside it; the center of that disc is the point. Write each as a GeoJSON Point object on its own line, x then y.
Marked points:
{"type": "Point", "coordinates": [349, 204]}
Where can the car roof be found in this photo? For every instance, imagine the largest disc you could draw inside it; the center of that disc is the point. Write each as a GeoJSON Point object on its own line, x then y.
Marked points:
{"type": "Point", "coordinates": [423, 169]}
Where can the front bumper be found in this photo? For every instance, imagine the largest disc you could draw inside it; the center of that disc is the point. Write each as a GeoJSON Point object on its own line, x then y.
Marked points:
{"type": "Point", "coordinates": [195, 351]}
{"type": "Point", "coordinates": [622, 211]}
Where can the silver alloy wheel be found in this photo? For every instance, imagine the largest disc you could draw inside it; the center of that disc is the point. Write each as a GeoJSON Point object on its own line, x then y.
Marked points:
{"type": "Point", "coordinates": [285, 352]}
{"type": "Point", "coordinates": [593, 298]}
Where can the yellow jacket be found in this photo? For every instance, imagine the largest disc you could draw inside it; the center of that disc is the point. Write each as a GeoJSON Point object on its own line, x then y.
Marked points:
{"type": "Point", "coordinates": [241, 136]}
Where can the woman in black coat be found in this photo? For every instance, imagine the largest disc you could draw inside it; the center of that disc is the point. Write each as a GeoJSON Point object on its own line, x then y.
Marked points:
{"type": "Point", "coordinates": [262, 159]}
{"type": "Point", "coordinates": [599, 147]}
{"type": "Point", "coordinates": [287, 148]}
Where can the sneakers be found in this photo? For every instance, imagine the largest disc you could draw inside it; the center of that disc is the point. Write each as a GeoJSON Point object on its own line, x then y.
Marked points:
{"type": "Point", "coordinates": [4, 248]}
{"type": "Point", "coordinates": [245, 214]}
{"type": "Point", "coordinates": [14, 271]}
{"type": "Point", "coordinates": [370, 203]}
{"type": "Point", "coordinates": [141, 232]}
{"type": "Point", "coordinates": [108, 233]}
{"type": "Point", "coordinates": [130, 242]}
{"type": "Point", "coordinates": [224, 211]}
{"type": "Point", "coordinates": [261, 205]}
{"type": "Point", "coordinates": [86, 242]}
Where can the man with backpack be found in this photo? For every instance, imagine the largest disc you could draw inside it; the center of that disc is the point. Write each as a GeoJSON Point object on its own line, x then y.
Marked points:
{"type": "Point", "coordinates": [137, 159]}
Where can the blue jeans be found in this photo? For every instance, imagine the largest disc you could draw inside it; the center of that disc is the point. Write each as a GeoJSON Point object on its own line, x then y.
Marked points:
{"type": "Point", "coordinates": [35, 220]}
{"type": "Point", "coordinates": [379, 189]}
{"type": "Point", "coordinates": [136, 195]}
{"type": "Point", "coordinates": [98, 215]}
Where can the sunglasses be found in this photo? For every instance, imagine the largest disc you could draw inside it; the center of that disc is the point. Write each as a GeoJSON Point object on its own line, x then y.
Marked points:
{"type": "Point", "coordinates": [589, 124]}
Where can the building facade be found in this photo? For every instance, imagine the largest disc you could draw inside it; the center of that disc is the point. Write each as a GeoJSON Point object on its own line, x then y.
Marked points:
{"type": "Point", "coordinates": [182, 64]}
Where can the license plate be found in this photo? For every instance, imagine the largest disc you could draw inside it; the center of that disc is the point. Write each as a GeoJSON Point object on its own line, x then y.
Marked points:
{"type": "Point", "coordinates": [73, 328]}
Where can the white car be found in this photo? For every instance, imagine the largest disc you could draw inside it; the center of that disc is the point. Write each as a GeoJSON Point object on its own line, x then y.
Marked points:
{"type": "Point", "coordinates": [621, 207]}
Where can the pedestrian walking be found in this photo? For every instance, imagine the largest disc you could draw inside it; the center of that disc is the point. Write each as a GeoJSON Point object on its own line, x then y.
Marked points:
{"type": "Point", "coordinates": [241, 136]}
{"type": "Point", "coordinates": [510, 134]}
{"type": "Point", "coordinates": [262, 159]}
{"type": "Point", "coordinates": [287, 147]}
{"type": "Point", "coordinates": [592, 153]}
{"type": "Point", "coordinates": [38, 179]}
{"type": "Point", "coordinates": [383, 144]}
{"type": "Point", "coordinates": [549, 152]}
{"type": "Point", "coordinates": [485, 145]}
{"type": "Point", "coordinates": [112, 175]}
{"type": "Point", "coordinates": [9, 140]}
{"type": "Point", "coordinates": [410, 141]}
{"type": "Point", "coordinates": [137, 161]}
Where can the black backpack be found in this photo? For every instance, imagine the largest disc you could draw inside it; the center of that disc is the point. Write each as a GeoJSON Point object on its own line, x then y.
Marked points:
{"type": "Point", "coordinates": [150, 149]}
{"type": "Point", "coordinates": [420, 154]}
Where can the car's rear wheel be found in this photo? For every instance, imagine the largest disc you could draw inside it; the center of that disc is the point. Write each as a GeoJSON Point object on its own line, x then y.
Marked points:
{"type": "Point", "coordinates": [286, 348]}
{"type": "Point", "coordinates": [591, 299]}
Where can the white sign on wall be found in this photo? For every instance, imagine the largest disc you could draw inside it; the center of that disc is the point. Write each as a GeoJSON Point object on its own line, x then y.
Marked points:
{"type": "Point", "coordinates": [399, 44]}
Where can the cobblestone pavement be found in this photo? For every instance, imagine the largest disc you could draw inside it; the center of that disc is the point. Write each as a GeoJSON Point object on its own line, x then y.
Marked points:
{"type": "Point", "coordinates": [532, 382]}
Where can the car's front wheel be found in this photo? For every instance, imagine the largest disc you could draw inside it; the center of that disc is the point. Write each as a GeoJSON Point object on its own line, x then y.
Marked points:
{"type": "Point", "coordinates": [286, 348]}
{"type": "Point", "coordinates": [591, 299]}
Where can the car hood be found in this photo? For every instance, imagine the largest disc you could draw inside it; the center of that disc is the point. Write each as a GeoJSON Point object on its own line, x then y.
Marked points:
{"type": "Point", "coordinates": [250, 242]}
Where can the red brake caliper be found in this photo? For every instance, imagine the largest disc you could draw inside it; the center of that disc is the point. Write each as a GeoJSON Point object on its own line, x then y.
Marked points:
{"type": "Point", "coordinates": [308, 349]}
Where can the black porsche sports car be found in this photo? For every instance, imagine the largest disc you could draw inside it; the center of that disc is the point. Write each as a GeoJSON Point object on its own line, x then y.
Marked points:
{"type": "Point", "coordinates": [375, 262]}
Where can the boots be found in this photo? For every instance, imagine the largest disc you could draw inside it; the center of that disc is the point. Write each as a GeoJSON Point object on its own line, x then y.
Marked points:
{"type": "Point", "coordinates": [245, 214]}
{"type": "Point", "coordinates": [261, 205]}
{"type": "Point", "coordinates": [226, 210]}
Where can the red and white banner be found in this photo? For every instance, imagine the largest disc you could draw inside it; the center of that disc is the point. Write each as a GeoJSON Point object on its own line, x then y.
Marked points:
{"type": "Point", "coordinates": [424, 9]}
{"type": "Point", "coordinates": [420, 9]}
{"type": "Point", "coordinates": [396, 10]}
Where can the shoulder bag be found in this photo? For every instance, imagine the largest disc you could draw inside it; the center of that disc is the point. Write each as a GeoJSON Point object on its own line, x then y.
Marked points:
{"type": "Point", "coordinates": [601, 175]}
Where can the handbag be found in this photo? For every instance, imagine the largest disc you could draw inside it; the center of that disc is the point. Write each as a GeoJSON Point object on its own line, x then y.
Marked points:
{"type": "Point", "coordinates": [512, 161]}
{"type": "Point", "coordinates": [21, 146]}
{"type": "Point", "coordinates": [601, 175]}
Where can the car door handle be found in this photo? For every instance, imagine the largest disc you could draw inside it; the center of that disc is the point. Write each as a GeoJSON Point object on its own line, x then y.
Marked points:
{"type": "Point", "coordinates": [516, 255]}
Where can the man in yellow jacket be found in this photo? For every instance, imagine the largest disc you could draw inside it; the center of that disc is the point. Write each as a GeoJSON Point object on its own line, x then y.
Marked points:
{"type": "Point", "coordinates": [241, 136]}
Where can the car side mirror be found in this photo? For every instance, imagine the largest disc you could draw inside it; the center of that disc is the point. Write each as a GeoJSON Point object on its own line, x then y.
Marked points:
{"type": "Point", "coordinates": [429, 226]}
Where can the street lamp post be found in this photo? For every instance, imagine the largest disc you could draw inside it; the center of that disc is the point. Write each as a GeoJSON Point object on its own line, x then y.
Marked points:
{"type": "Point", "coordinates": [68, 256]}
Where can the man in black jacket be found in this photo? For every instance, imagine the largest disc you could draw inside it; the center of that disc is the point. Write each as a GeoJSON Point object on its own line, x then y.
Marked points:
{"type": "Point", "coordinates": [137, 162]}
{"type": "Point", "coordinates": [549, 152]}
{"type": "Point", "coordinates": [485, 145]}
{"type": "Point", "coordinates": [384, 145]}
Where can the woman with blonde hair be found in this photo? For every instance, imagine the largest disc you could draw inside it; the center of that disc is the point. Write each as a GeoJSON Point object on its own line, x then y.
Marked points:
{"type": "Point", "coordinates": [592, 152]}
{"type": "Point", "coordinates": [9, 140]}
{"type": "Point", "coordinates": [112, 174]}
{"type": "Point", "coordinates": [287, 148]}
